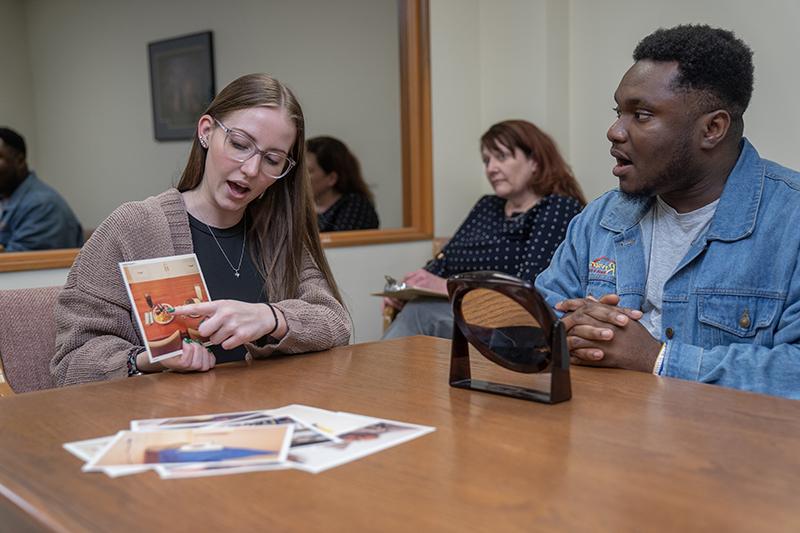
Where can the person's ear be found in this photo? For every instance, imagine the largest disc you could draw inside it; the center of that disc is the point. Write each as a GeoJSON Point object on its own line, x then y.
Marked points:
{"type": "Point", "coordinates": [714, 128]}
{"type": "Point", "coordinates": [533, 165]}
{"type": "Point", "coordinates": [332, 178]}
{"type": "Point", "coordinates": [204, 127]}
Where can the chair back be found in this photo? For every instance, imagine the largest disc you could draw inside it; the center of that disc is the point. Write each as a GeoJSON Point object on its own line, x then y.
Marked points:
{"type": "Point", "coordinates": [27, 338]}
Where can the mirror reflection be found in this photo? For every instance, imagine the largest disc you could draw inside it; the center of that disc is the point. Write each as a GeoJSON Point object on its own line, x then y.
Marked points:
{"type": "Point", "coordinates": [342, 199]}
{"type": "Point", "coordinates": [79, 90]}
{"type": "Point", "coordinates": [506, 329]}
{"type": "Point", "coordinates": [33, 216]}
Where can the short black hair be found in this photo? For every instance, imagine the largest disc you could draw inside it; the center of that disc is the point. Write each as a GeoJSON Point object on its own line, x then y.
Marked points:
{"type": "Point", "coordinates": [13, 139]}
{"type": "Point", "coordinates": [709, 59]}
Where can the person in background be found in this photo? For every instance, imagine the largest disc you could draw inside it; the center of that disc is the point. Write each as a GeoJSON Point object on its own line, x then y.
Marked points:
{"type": "Point", "coordinates": [342, 198]}
{"type": "Point", "coordinates": [690, 270]}
{"type": "Point", "coordinates": [34, 216]}
{"type": "Point", "coordinates": [244, 207]}
{"type": "Point", "coordinates": [515, 231]}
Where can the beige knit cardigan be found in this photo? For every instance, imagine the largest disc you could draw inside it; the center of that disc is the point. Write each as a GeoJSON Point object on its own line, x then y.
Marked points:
{"type": "Point", "coordinates": [95, 326]}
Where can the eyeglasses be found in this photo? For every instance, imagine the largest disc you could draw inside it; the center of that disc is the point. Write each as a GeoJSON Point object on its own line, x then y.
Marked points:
{"type": "Point", "coordinates": [240, 147]}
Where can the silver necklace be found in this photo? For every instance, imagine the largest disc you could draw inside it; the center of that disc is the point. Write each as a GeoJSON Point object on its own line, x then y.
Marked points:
{"type": "Point", "coordinates": [241, 255]}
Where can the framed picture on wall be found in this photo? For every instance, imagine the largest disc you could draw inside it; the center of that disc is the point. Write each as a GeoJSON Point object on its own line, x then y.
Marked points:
{"type": "Point", "coordinates": [181, 83]}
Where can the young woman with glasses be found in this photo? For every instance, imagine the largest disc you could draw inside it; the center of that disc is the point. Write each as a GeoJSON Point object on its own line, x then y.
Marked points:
{"type": "Point", "coordinates": [244, 207]}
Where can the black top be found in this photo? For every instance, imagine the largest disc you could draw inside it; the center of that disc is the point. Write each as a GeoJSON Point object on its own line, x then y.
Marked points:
{"type": "Point", "coordinates": [220, 278]}
{"type": "Point", "coordinates": [351, 211]}
{"type": "Point", "coordinates": [521, 245]}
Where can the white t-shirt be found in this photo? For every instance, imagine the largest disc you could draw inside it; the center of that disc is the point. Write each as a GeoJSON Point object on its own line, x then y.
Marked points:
{"type": "Point", "coordinates": [667, 237]}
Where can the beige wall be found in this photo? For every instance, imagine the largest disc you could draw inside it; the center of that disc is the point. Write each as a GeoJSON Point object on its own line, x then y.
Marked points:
{"type": "Point", "coordinates": [456, 107]}
{"type": "Point", "coordinates": [16, 100]}
{"type": "Point", "coordinates": [514, 59]}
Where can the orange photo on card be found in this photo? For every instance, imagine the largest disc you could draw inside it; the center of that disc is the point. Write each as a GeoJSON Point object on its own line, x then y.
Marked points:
{"type": "Point", "coordinates": [156, 287]}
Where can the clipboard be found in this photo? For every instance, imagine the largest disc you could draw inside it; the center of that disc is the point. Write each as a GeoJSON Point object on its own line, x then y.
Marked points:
{"type": "Point", "coordinates": [410, 293]}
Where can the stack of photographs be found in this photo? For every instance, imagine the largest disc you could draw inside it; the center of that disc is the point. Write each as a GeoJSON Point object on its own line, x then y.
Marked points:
{"type": "Point", "coordinates": [295, 436]}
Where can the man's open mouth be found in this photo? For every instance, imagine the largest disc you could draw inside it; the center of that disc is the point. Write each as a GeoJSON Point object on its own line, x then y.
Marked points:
{"type": "Point", "coordinates": [622, 162]}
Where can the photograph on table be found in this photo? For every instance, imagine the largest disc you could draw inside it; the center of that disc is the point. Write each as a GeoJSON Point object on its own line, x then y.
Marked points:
{"type": "Point", "coordinates": [304, 432]}
{"type": "Point", "coordinates": [329, 422]}
{"type": "Point", "coordinates": [155, 287]}
{"type": "Point", "coordinates": [86, 450]}
{"type": "Point", "coordinates": [192, 421]}
{"type": "Point", "coordinates": [373, 437]}
{"type": "Point", "coordinates": [227, 446]}
{"type": "Point", "coordinates": [302, 435]}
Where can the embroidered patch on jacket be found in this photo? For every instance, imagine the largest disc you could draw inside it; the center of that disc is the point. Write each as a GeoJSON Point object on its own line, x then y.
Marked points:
{"type": "Point", "coordinates": [603, 266]}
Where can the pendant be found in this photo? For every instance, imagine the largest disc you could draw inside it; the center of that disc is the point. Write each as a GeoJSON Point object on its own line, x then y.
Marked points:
{"type": "Point", "coordinates": [236, 274]}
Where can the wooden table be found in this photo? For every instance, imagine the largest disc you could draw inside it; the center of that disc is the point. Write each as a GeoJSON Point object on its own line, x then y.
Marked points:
{"type": "Point", "coordinates": [630, 452]}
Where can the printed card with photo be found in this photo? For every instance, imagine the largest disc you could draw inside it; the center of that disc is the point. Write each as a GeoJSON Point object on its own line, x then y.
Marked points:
{"type": "Point", "coordinates": [183, 422]}
{"type": "Point", "coordinates": [303, 435]}
{"type": "Point", "coordinates": [373, 437]}
{"type": "Point", "coordinates": [304, 432]}
{"type": "Point", "coordinates": [86, 450]}
{"type": "Point", "coordinates": [208, 469]}
{"type": "Point", "coordinates": [329, 422]}
{"type": "Point", "coordinates": [236, 446]}
{"type": "Point", "coordinates": [155, 287]}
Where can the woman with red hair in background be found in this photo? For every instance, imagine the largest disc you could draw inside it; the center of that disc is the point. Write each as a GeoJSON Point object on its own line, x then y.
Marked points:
{"type": "Point", "coordinates": [515, 231]}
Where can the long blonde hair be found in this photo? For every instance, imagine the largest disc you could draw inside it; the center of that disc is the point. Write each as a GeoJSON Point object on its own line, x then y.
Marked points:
{"type": "Point", "coordinates": [283, 221]}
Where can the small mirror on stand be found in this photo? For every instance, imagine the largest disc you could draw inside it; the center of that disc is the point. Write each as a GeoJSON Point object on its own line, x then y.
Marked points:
{"type": "Point", "coordinates": [509, 322]}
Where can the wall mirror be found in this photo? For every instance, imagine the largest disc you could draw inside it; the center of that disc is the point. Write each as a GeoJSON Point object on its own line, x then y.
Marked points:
{"type": "Point", "coordinates": [91, 110]}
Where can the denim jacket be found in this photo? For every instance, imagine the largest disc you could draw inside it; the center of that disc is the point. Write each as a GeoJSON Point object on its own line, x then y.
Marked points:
{"type": "Point", "coordinates": [36, 217]}
{"type": "Point", "coordinates": [731, 309]}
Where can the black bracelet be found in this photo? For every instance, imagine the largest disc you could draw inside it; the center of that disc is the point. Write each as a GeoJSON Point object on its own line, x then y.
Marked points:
{"type": "Point", "coordinates": [275, 316]}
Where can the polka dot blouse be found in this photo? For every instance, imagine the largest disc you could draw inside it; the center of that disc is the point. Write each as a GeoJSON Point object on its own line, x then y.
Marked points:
{"type": "Point", "coordinates": [351, 211]}
{"type": "Point", "coordinates": [521, 245]}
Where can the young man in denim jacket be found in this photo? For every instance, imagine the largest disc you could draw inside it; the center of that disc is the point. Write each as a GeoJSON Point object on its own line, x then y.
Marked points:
{"type": "Point", "coordinates": [691, 268]}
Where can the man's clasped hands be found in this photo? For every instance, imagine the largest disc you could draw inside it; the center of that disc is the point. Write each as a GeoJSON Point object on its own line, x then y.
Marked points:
{"type": "Point", "coordinates": [601, 333]}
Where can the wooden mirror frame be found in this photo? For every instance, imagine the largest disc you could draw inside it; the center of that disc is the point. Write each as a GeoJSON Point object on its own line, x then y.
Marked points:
{"type": "Point", "coordinates": [415, 121]}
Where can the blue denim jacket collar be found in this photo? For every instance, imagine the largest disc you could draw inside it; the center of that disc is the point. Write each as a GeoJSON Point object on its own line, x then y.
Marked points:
{"type": "Point", "coordinates": [735, 217]}
{"type": "Point", "coordinates": [736, 212]}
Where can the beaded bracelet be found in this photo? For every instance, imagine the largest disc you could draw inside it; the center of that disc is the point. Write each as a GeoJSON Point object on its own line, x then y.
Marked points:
{"type": "Point", "coordinates": [133, 370]}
